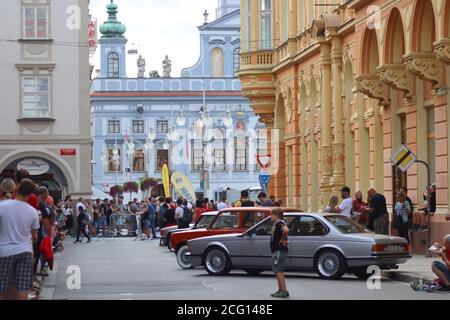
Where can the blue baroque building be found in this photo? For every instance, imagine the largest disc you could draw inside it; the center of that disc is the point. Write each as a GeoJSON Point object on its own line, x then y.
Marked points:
{"type": "Point", "coordinates": [199, 123]}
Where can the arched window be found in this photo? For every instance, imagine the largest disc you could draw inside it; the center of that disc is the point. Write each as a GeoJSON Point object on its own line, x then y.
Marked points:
{"type": "Point", "coordinates": [236, 60]}
{"type": "Point", "coordinates": [113, 65]}
{"type": "Point", "coordinates": [217, 63]}
{"type": "Point", "coordinates": [266, 24]}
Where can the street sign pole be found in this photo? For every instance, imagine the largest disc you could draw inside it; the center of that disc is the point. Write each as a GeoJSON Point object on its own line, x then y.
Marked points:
{"type": "Point", "coordinates": [428, 254]}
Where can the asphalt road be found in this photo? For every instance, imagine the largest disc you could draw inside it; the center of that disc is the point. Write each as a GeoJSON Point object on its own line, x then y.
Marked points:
{"type": "Point", "coordinates": [124, 269]}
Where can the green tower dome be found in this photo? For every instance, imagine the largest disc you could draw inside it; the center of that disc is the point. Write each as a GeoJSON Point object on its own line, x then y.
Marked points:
{"type": "Point", "coordinates": [112, 28]}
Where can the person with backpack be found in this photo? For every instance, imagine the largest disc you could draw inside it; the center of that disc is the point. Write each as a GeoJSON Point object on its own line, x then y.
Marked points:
{"type": "Point", "coordinates": [179, 212]}
{"type": "Point", "coordinates": [188, 214]}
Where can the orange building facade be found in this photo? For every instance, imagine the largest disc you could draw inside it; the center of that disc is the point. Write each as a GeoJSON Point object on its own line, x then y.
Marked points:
{"type": "Point", "coordinates": [341, 85]}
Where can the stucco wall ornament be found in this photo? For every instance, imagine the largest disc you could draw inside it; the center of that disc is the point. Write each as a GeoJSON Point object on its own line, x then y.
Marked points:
{"type": "Point", "coordinates": [442, 49]}
{"type": "Point", "coordinates": [425, 66]}
{"type": "Point", "coordinates": [372, 86]}
{"type": "Point", "coordinates": [396, 76]}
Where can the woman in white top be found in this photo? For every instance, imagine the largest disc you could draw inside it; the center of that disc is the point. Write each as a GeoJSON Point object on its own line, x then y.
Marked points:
{"type": "Point", "coordinates": [332, 204]}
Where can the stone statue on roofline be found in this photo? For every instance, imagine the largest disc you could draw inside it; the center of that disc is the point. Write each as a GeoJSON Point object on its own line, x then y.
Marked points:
{"type": "Point", "coordinates": [141, 66]}
{"type": "Point", "coordinates": [167, 67]}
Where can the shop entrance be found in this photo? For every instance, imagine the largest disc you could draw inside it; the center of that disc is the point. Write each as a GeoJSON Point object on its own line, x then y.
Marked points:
{"type": "Point", "coordinates": [42, 172]}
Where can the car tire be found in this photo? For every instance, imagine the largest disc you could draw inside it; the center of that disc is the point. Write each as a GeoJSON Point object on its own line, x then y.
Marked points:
{"type": "Point", "coordinates": [361, 273]}
{"type": "Point", "coordinates": [217, 262]}
{"type": "Point", "coordinates": [182, 259]}
{"type": "Point", "coordinates": [330, 264]}
{"type": "Point", "coordinates": [169, 245]}
{"type": "Point", "coordinates": [253, 272]}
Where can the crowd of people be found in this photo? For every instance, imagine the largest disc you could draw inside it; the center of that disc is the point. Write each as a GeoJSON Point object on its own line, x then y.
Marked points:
{"type": "Point", "coordinates": [373, 213]}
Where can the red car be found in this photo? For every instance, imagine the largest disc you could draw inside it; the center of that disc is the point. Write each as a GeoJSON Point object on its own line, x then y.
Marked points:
{"type": "Point", "coordinates": [231, 220]}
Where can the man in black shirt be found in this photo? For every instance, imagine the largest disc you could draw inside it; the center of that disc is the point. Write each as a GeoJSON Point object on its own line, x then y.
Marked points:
{"type": "Point", "coordinates": [279, 248]}
{"type": "Point", "coordinates": [378, 214]}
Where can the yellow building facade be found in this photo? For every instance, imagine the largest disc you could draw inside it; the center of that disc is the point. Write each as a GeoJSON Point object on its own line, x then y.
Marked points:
{"type": "Point", "coordinates": [341, 85]}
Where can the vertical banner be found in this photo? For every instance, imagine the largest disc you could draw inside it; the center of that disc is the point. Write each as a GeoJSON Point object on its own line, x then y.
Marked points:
{"type": "Point", "coordinates": [165, 179]}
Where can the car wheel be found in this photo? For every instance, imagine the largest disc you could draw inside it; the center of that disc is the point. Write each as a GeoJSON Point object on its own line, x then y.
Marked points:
{"type": "Point", "coordinates": [361, 273]}
{"type": "Point", "coordinates": [330, 264]}
{"type": "Point", "coordinates": [169, 245]}
{"type": "Point", "coordinates": [253, 272]}
{"type": "Point", "coordinates": [182, 259]}
{"type": "Point", "coordinates": [217, 262]}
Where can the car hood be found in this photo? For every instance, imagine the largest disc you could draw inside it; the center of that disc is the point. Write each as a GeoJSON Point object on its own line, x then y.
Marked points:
{"type": "Point", "coordinates": [220, 237]}
{"type": "Point", "coordinates": [376, 238]}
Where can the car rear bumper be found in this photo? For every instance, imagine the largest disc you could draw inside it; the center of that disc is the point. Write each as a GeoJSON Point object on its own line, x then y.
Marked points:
{"type": "Point", "coordinates": [196, 260]}
{"type": "Point", "coordinates": [379, 260]}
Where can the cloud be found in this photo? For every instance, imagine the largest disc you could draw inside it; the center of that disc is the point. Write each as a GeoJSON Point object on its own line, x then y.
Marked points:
{"type": "Point", "coordinates": [157, 28]}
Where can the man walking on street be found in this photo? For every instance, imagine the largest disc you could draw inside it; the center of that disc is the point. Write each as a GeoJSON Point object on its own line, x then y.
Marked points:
{"type": "Point", "coordinates": [279, 248]}
{"type": "Point", "coordinates": [19, 224]}
{"type": "Point", "coordinates": [82, 221]}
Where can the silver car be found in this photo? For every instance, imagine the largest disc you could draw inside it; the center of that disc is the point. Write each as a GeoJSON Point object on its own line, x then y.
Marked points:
{"type": "Point", "coordinates": [329, 244]}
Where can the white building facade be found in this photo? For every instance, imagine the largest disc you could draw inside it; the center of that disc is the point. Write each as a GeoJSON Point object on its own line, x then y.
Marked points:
{"type": "Point", "coordinates": [44, 95]}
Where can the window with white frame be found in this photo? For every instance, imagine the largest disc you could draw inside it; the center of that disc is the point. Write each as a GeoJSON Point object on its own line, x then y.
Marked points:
{"type": "Point", "coordinates": [113, 126]}
{"type": "Point", "coordinates": [114, 165]}
{"type": "Point", "coordinates": [249, 26]}
{"type": "Point", "coordinates": [36, 92]}
{"type": "Point", "coordinates": [197, 155]}
{"type": "Point", "coordinates": [35, 22]}
{"type": "Point", "coordinates": [139, 161]}
{"type": "Point", "coordinates": [113, 65]}
{"type": "Point", "coordinates": [266, 24]}
{"type": "Point", "coordinates": [219, 150]}
{"type": "Point", "coordinates": [162, 126]}
{"type": "Point", "coordinates": [240, 153]}
{"type": "Point", "coordinates": [236, 60]}
{"type": "Point", "coordinates": [138, 126]}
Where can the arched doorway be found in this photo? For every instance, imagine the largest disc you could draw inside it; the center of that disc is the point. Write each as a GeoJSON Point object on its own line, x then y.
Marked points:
{"type": "Point", "coordinates": [42, 172]}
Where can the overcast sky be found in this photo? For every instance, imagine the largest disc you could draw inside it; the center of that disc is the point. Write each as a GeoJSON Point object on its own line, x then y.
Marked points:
{"type": "Point", "coordinates": [157, 28]}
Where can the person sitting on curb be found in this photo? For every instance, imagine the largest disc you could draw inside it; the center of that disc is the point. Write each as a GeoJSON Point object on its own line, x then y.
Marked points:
{"type": "Point", "coordinates": [442, 269]}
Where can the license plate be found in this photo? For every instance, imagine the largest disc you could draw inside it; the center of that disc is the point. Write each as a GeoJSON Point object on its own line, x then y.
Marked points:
{"type": "Point", "coordinates": [392, 248]}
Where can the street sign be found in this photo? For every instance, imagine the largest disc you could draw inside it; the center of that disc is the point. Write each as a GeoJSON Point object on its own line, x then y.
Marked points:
{"type": "Point", "coordinates": [403, 158]}
{"type": "Point", "coordinates": [264, 160]}
{"type": "Point", "coordinates": [68, 152]}
{"type": "Point", "coordinates": [264, 179]}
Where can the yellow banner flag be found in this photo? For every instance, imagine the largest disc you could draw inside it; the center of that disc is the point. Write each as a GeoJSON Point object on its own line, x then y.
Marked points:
{"type": "Point", "coordinates": [184, 186]}
{"type": "Point", "coordinates": [165, 179]}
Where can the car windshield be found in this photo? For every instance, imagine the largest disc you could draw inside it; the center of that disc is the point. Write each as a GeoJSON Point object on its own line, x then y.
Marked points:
{"type": "Point", "coordinates": [204, 221]}
{"type": "Point", "coordinates": [346, 225]}
{"type": "Point", "coordinates": [226, 220]}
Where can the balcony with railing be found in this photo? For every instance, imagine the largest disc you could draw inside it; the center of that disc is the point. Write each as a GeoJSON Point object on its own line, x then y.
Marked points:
{"type": "Point", "coordinates": [261, 60]}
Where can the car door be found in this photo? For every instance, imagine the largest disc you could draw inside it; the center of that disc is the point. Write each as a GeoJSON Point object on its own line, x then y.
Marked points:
{"type": "Point", "coordinates": [306, 234]}
{"type": "Point", "coordinates": [255, 247]}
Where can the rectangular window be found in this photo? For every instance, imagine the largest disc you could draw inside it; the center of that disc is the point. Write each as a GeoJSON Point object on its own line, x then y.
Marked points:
{"type": "Point", "coordinates": [138, 126]}
{"type": "Point", "coordinates": [219, 155]}
{"type": "Point", "coordinates": [240, 150]}
{"type": "Point", "coordinates": [249, 26]}
{"type": "Point", "coordinates": [114, 163]}
{"type": "Point", "coordinates": [162, 126]}
{"type": "Point", "coordinates": [285, 21]}
{"type": "Point", "coordinates": [113, 126]}
{"type": "Point", "coordinates": [431, 143]}
{"type": "Point", "coordinates": [162, 157]}
{"type": "Point", "coordinates": [138, 161]}
{"type": "Point", "coordinates": [266, 24]}
{"type": "Point", "coordinates": [261, 145]}
{"type": "Point", "coordinates": [35, 21]}
{"type": "Point", "coordinates": [36, 97]}
{"type": "Point", "coordinates": [197, 155]}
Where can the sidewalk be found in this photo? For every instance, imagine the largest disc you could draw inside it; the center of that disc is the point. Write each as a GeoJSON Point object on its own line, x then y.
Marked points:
{"type": "Point", "coordinates": [418, 267]}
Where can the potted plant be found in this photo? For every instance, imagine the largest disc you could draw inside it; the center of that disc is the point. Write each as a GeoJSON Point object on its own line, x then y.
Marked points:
{"type": "Point", "coordinates": [115, 191]}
